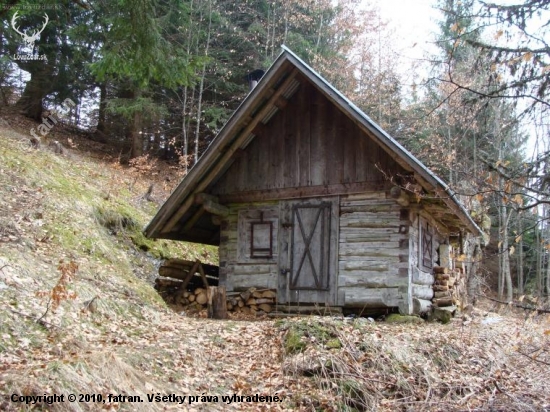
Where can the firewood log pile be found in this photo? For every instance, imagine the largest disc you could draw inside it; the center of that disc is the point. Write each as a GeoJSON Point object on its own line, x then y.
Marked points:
{"type": "Point", "coordinates": [449, 287]}
{"type": "Point", "coordinates": [252, 301]}
{"type": "Point", "coordinates": [185, 283]}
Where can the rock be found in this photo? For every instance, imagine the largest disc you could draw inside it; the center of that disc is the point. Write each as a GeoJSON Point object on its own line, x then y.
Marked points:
{"type": "Point", "coordinates": [443, 315]}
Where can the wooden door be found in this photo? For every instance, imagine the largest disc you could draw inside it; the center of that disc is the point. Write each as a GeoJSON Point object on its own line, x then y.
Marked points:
{"type": "Point", "coordinates": [309, 240]}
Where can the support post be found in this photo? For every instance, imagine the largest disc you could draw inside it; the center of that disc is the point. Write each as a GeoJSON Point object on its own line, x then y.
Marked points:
{"type": "Point", "coordinates": [217, 302]}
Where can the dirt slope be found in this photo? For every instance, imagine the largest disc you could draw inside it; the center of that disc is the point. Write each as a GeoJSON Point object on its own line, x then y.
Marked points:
{"type": "Point", "coordinates": [78, 316]}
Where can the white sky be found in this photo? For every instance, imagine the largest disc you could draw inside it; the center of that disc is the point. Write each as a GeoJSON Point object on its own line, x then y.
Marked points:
{"type": "Point", "coordinates": [414, 22]}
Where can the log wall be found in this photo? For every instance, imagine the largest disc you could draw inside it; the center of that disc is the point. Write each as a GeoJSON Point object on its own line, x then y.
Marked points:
{"type": "Point", "coordinates": [237, 270]}
{"type": "Point", "coordinates": [373, 252]}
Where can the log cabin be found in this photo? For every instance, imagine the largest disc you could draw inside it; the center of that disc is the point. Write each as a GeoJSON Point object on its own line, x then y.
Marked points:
{"type": "Point", "coordinates": [306, 195]}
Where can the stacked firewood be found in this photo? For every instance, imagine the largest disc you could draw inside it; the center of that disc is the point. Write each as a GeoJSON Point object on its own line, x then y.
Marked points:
{"type": "Point", "coordinates": [449, 287]}
{"type": "Point", "coordinates": [179, 279]}
{"type": "Point", "coordinates": [252, 301]}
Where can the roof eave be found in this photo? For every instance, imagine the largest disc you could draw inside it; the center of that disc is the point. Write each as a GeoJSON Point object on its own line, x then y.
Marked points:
{"type": "Point", "coordinates": [214, 150]}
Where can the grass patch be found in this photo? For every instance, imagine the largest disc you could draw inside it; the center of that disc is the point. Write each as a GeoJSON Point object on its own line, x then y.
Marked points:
{"type": "Point", "coordinates": [115, 220]}
{"type": "Point", "coordinates": [304, 331]}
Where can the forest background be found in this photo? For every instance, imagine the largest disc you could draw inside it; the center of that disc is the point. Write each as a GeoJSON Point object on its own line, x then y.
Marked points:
{"type": "Point", "coordinates": [155, 80]}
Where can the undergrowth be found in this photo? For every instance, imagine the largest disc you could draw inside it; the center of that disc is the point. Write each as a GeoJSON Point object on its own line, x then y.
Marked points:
{"type": "Point", "coordinates": [393, 367]}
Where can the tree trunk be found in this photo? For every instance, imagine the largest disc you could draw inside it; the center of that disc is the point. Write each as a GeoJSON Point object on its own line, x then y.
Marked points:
{"type": "Point", "coordinates": [520, 253]}
{"type": "Point", "coordinates": [539, 256]}
{"type": "Point", "coordinates": [507, 275]}
{"type": "Point", "coordinates": [201, 87]}
{"type": "Point", "coordinates": [136, 137]}
{"type": "Point", "coordinates": [30, 103]}
{"type": "Point", "coordinates": [102, 113]}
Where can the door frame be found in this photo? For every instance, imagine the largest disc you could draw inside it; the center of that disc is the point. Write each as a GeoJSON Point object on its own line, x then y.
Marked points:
{"type": "Point", "coordinates": [286, 238]}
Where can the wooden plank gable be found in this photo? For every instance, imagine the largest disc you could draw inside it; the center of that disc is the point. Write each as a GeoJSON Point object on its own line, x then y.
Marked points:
{"type": "Point", "coordinates": [310, 143]}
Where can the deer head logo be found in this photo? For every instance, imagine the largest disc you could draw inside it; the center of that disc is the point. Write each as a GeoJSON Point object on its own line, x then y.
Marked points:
{"type": "Point", "coordinates": [29, 40]}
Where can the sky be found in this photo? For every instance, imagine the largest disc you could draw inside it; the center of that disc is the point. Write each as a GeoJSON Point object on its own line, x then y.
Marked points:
{"type": "Point", "coordinates": [414, 22]}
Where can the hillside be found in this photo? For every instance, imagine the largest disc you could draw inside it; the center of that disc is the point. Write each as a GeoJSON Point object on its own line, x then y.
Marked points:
{"type": "Point", "coordinates": [79, 315]}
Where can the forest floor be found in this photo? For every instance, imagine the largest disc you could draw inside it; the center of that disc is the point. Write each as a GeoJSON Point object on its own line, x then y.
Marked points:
{"type": "Point", "coordinates": [79, 315]}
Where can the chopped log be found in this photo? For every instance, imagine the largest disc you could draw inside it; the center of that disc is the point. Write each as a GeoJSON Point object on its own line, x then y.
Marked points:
{"type": "Point", "coordinates": [240, 304]}
{"type": "Point", "coordinates": [451, 281]}
{"type": "Point", "coordinates": [440, 270]}
{"type": "Point", "coordinates": [440, 288]}
{"type": "Point", "coordinates": [443, 302]}
{"type": "Point", "coordinates": [191, 298]}
{"type": "Point", "coordinates": [257, 294]}
{"type": "Point", "coordinates": [247, 293]}
{"type": "Point", "coordinates": [250, 302]}
{"type": "Point", "coordinates": [265, 307]}
{"type": "Point", "coordinates": [201, 298]}
{"type": "Point", "coordinates": [264, 300]}
{"type": "Point", "coordinates": [442, 276]}
{"type": "Point", "coordinates": [217, 302]}
{"type": "Point", "coordinates": [444, 294]}
{"type": "Point", "coordinates": [199, 291]}
{"type": "Point", "coordinates": [421, 306]}
{"type": "Point", "coordinates": [269, 294]}
{"type": "Point", "coordinates": [442, 282]}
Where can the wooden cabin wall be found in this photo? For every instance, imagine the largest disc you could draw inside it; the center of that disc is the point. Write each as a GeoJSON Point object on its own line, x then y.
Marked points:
{"type": "Point", "coordinates": [237, 270]}
{"type": "Point", "coordinates": [373, 252]}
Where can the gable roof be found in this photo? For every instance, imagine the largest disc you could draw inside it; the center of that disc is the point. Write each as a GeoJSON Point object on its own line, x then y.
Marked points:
{"type": "Point", "coordinates": [182, 217]}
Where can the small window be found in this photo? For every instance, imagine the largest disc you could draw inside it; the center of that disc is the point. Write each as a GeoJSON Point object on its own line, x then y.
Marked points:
{"type": "Point", "coordinates": [257, 235]}
{"type": "Point", "coordinates": [426, 245]}
{"type": "Point", "coordinates": [261, 239]}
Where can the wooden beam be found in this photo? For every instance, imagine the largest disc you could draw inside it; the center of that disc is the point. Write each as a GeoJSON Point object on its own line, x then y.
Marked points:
{"type": "Point", "coordinates": [299, 192]}
{"type": "Point", "coordinates": [201, 198]}
{"type": "Point", "coordinates": [215, 208]}
{"type": "Point", "coordinates": [281, 103]}
{"type": "Point", "coordinates": [227, 153]}
{"type": "Point", "coordinates": [400, 196]}
{"type": "Point", "coordinates": [193, 219]}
